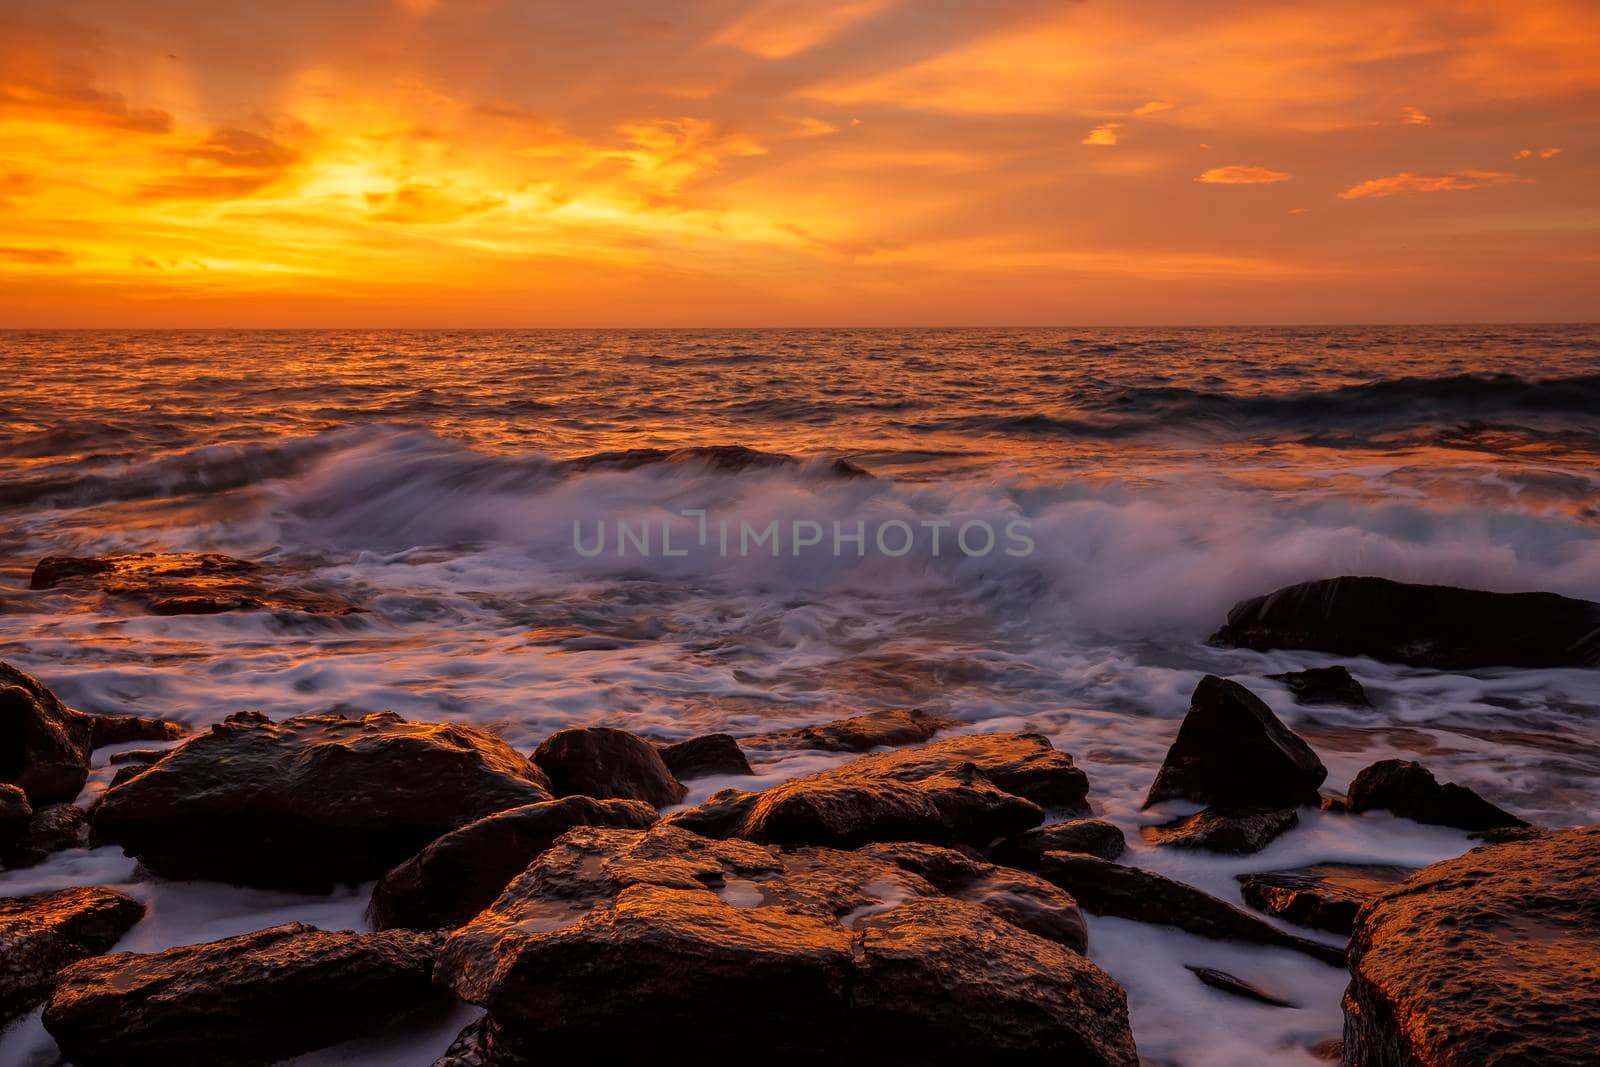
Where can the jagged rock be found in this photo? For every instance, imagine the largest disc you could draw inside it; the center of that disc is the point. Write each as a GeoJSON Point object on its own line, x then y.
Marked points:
{"type": "Point", "coordinates": [313, 800]}
{"type": "Point", "coordinates": [1105, 888]}
{"type": "Point", "coordinates": [144, 756]}
{"type": "Point", "coordinates": [1409, 790]}
{"type": "Point", "coordinates": [607, 764]}
{"type": "Point", "coordinates": [1238, 987]}
{"type": "Point", "coordinates": [15, 815]}
{"type": "Point", "coordinates": [43, 933]}
{"type": "Point", "coordinates": [184, 583]}
{"type": "Point", "coordinates": [733, 458]}
{"type": "Point", "coordinates": [1435, 626]}
{"type": "Point", "coordinates": [1238, 832]}
{"type": "Point", "coordinates": [701, 757]}
{"type": "Point", "coordinates": [1094, 836]}
{"type": "Point", "coordinates": [462, 872]}
{"type": "Point", "coordinates": [1491, 958]}
{"type": "Point", "coordinates": [879, 729]}
{"type": "Point", "coordinates": [1233, 752]}
{"type": "Point", "coordinates": [252, 999]}
{"type": "Point", "coordinates": [963, 790]}
{"type": "Point", "coordinates": [1323, 896]}
{"type": "Point", "coordinates": [480, 1044]}
{"type": "Point", "coordinates": [124, 729]}
{"type": "Point", "coordinates": [52, 829]}
{"type": "Point", "coordinates": [639, 941]}
{"type": "Point", "coordinates": [1325, 685]}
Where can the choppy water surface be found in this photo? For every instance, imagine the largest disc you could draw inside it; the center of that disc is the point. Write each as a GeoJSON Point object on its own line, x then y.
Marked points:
{"type": "Point", "coordinates": [1164, 474]}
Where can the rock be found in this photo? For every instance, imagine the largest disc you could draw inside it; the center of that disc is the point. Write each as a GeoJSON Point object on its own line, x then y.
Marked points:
{"type": "Point", "coordinates": [124, 729]}
{"type": "Point", "coordinates": [641, 941]}
{"type": "Point", "coordinates": [1490, 958]}
{"type": "Point", "coordinates": [1105, 888]}
{"type": "Point", "coordinates": [312, 801]}
{"type": "Point", "coordinates": [143, 756]}
{"type": "Point", "coordinates": [963, 790]}
{"type": "Point", "coordinates": [735, 458]}
{"type": "Point", "coordinates": [15, 815]}
{"type": "Point", "coordinates": [1238, 832]}
{"type": "Point", "coordinates": [702, 757]}
{"type": "Point", "coordinates": [1409, 790]}
{"type": "Point", "coordinates": [1094, 836]}
{"type": "Point", "coordinates": [1325, 685]}
{"type": "Point", "coordinates": [879, 729]}
{"type": "Point", "coordinates": [41, 934]}
{"type": "Point", "coordinates": [1323, 896]}
{"type": "Point", "coordinates": [1434, 626]}
{"type": "Point", "coordinates": [252, 999]}
{"type": "Point", "coordinates": [607, 764]}
{"type": "Point", "coordinates": [1232, 752]}
{"type": "Point", "coordinates": [184, 583]}
{"type": "Point", "coordinates": [462, 872]}
{"type": "Point", "coordinates": [481, 1044]}
{"type": "Point", "coordinates": [52, 829]}
{"type": "Point", "coordinates": [1237, 986]}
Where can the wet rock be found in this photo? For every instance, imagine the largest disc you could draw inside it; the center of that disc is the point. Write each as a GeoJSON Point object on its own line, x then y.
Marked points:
{"type": "Point", "coordinates": [702, 757]}
{"type": "Point", "coordinates": [1409, 790]}
{"type": "Point", "coordinates": [1323, 896]}
{"type": "Point", "coordinates": [481, 1044]}
{"type": "Point", "coordinates": [1238, 832]}
{"type": "Point", "coordinates": [43, 933]}
{"type": "Point", "coordinates": [184, 583]}
{"type": "Point", "coordinates": [143, 756]}
{"type": "Point", "coordinates": [52, 829]}
{"type": "Point", "coordinates": [1491, 958]}
{"type": "Point", "coordinates": [15, 815]}
{"type": "Point", "coordinates": [1325, 685]}
{"type": "Point", "coordinates": [1435, 626]}
{"type": "Point", "coordinates": [125, 729]}
{"type": "Point", "coordinates": [1237, 986]}
{"type": "Point", "coordinates": [1094, 836]}
{"type": "Point", "coordinates": [607, 764]}
{"type": "Point", "coordinates": [1233, 752]}
{"type": "Point", "coordinates": [879, 729]}
{"type": "Point", "coordinates": [639, 941]}
{"type": "Point", "coordinates": [1105, 888]}
{"type": "Point", "coordinates": [462, 872]}
{"type": "Point", "coordinates": [313, 800]}
{"type": "Point", "coordinates": [734, 458]}
{"type": "Point", "coordinates": [252, 999]}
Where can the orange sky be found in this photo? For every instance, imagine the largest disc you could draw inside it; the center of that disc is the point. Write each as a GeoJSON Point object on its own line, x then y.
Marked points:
{"type": "Point", "coordinates": [623, 162]}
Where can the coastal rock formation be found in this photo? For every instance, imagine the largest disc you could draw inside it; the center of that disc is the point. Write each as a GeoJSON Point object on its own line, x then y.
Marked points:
{"type": "Point", "coordinates": [1435, 626]}
{"type": "Point", "coordinates": [1323, 896]}
{"type": "Point", "coordinates": [43, 933]}
{"type": "Point", "coordinates": [878, 729]}
{"type": "Point", "coordinates": [1325, 685]}
{"type": "Point", "coordinates": [15, 814]}
{"type": "Point", "coordinates": [1491, 958]}
{"type": "Point", "coordinates": [313, 800]}
{"type": "Point", "coordinates": [183, 583]}
{"type": "Point", "coordinates": [963, 790]}
{"type": "Point", "coordinates": [1238, 832]}
{"type": "Point", "coordinates": [1409, 790]}
{"type": "Point", "coordinates": [606, 764]}
{"type": "Point", "coordinates": [704, 756]}
{"type": "Point", "coordinates": [1094, 836]}
{"type": "Point", "coordinates": [52, 829]}
{"type": "Point", "coordinates": [462, 872]}
{"type": "Point", "coordinates": [1233, 752]}
{"type": "Point", "coordinates": [732, 458]}
{"type": "Point", "coordinates": [252, 999]}
{"type": "Point", "coordinates": [638, 941]}
{"type": "Point", "coordinates": [1237, 987]}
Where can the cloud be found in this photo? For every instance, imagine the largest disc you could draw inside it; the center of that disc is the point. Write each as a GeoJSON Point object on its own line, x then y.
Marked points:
{"type": "Point", "coordinates": [225, 165]}
{"type": "Point", "coordinates": [427, 204]}
{"type": "Point", "coordinates": [1413, 116]}
{"type": "Point", "coordinates": [1542, 153]}
{"type": "Point", "coordinates": [36, 256]}
{"type": "Point", "coordinates": [1239, 174]}
{"type": "Point", "coordinates": [1103, 135]}
{"type": "Point", "coordinates": [1152, 108]}
{"type": "Point", "coordinates": [1407, 182]}
{"type": "Point", "coordinates": [781, 28]}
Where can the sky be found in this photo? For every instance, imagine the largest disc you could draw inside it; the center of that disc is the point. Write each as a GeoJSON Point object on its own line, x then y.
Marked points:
{"type": "Point", "coordinates": [389, 163]}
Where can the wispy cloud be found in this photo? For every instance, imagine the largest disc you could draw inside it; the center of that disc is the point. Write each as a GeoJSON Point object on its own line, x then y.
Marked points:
{"type": "Point", "coordinates": [1152, 108]}
{"type": "Point", "coordinates": [1407, 182]}
{"type": "Point", "coordinates": [1539, 153]}
{"type": "Point", "coordinates": [1240, 174]}
{"type": "Point", "coordinates": [1103, 135]}
{"type": "Point", "coordinates": [1415, 116]}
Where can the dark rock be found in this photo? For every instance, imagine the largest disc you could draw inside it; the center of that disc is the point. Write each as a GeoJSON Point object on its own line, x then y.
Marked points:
{"type": "Point", "coordinates": [1237, 986]}
{"type": "Point", "coordinates": [1238, 832]}
{"type": "Point", "coordinates": [252, 999]}
{"type": "Point", "coordinates": [1323, 896]}
{"type": "Point", "coordinates": [1325, 685]}
{"type": "Point", "coordinates": [1491, 958]}
{"type": "Point", "coordinates": [184, 583]}
{"type": "Point", "coordinates": [15, 815]}
{"type": "Point", "coordinates": [143, 756]}
{"type": "Point", "coordinates": [1409, 790]}
{"type": "Point", "coordinates": [1435, 626]}
{"type": "Point", "coordinates": [702, 757]}
{"type": "Point", "coordinates": [1105, 888]}
{"type": "Point", "coordinates": [1232, 752]}
{"type": "Point", "coordinates": [607, 764]}
{"type": "Point", "coordinates": [127, 771]}
{"type": "Point", "coordinates": [879, 729]}
{"type": "Point", "coordinates": [43, 933]}
{"type": "Point", "coordinates": [462, 872]}
{"type": "Point", "coordinates": [734, 458]}
{"type": "Point", "coordinates": [124, 729]}
{"type": "Point", "coordinates": [641, 941]}
{"type": "Point", "coordinates": [52, 829]}
{"type": "Point", "coordinates": [481, 1044]}
{"type": "Point", "coordinates": [1094, 836]}
{"type": "Point", "coordinates": [312, 801]}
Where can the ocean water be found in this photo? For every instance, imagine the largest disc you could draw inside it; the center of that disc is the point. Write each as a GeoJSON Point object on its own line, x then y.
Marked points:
{"type": "Point", "coordinates": [435, 478]}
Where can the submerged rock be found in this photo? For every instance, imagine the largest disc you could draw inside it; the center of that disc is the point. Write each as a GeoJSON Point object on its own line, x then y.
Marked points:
{"type": "Point", "coordinates": [1409, 790]}
{"type": "Point", "coordinates": [313, 800]}
{"type": "Point", "coordinates": [1238, 832]}
{"type": "Point", "coordinates": [43, 933]}
{"type": "Point", "coordinates": [53, 828]}
{"type": "Point", "coordinates": [1435, 626]}
{"type": "Point", "coordinates": [1238, 987]}
{"type": "Point", "coordinates": [1324, 896]}
{"type": "Point", "coordinates": [1325, 685]}
{"type": "Point", "coordinates": [879, 729]}
{"type": "Point", "coordinates": [184, 583]}
{"type": "Point", "coordinates": [252, 999]}
{"type": "Point", "coordinates": [1491, 958]}
{"type": "Point", "coordinates": [1094, 836]}
{"type": "Point", "coordinates": [702, 757]}
{"type": "Point", "coordinates": [606, 764]}
{"type": "Point", "coordinates": [1233, 752]}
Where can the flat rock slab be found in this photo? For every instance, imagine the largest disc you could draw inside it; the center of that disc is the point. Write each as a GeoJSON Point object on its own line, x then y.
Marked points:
{"type": "Point", "coordinates": [185, 583]}
{"type": "Point", "coordinates": [879, 729]}
{"type": "Point", "coordinates": [1236, 832]}
{"type": "Point", "coordinates": [1323, 896]}
{"type": "Point", "coordinates": [41, 934]}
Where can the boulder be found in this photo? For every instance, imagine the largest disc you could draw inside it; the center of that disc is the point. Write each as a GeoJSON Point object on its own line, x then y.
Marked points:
{"type": "Point", "coordinates": [1409, 790]}
{"type": "Point", "coordinates": [184, 583]}
{"type": "Point", "coordinates": [43, 933]}
{"type": "Point", "coordinates": [1439, 627]}
{"type": "Point", "coordinates": [641, 941]}
{"type": "Point", "coordinates": [1233, 752]}
{"type": "Point", "coordinates": [125, 729]}
{"type": "Point", "coordinates": [878, 729]}
{"type": "Point", "coordinates": [1490, 958]}
{"type": "Point", "coordinates": [702, 757]}
{"type": "Point", "coordinates": [607, 764]}
{"type": "Point", "coordinates": [1094, 836]}
{"type": "Point", "coordinates": [311, 801]}
{"type": "Point", "coordinates": [15, 815]}
{"type": "Point", "coordinates": [53, 828]}
{"type": "Point", "coordinates": [1237, 987]}
{"type": "Point", "coordinates": [480, 1044]}
{"type": "Point", "coordinates": [252, 999]}
{"type": "Point", "coordinates": [1238, 832]}
{"type": "Point", "coordinates": [1325, 685]}
{"type": "Point", "coordinates": [1323, 896]}
{"type": "Point", "coordinates": [462, 872]}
